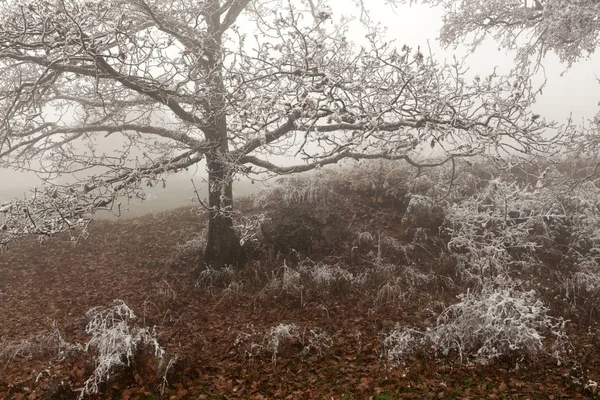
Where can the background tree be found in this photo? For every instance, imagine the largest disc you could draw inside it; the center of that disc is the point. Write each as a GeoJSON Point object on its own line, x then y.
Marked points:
{"type": "Point", "coordinates": [531, 28]}
{"type": "Point", "coordinates": [568, 28]}
{"type": "Point", "coordinates": [231, 82]}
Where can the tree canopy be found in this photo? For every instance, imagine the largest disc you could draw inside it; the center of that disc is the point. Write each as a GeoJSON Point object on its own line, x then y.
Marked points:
{"type": "Point", "coordinates": [568, 28]}
{"type": "Point", "coordinates": [230, 82]}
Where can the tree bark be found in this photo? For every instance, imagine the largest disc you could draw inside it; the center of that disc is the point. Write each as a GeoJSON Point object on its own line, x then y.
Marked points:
{"type": "Point", "coordinates": [223, 246]}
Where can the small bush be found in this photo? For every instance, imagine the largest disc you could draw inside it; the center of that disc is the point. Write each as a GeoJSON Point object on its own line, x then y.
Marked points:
{"type": "Point", "coordinates": [287, 281]}
{"type": "Point", "coordinates": [116, 342]}
{"type": "Point", "coordinates": [399, 283]}
{"type": "Point", "coordinates": [322, 276]}
{"type": "Point", "coordinates": [278, 336]}
{"type": "Point", "coordinates": [317, 340]}
{"type": "Point", "coordinates": [207, 277]}
{"type": "Point", "coordinates": [401, 343]}
{"type": "Point", "coordinates": [283, 336]}
{"type": "Point", "coordinates": [499, 323]}
{"type": "Point", "coordinates": [53, 343]}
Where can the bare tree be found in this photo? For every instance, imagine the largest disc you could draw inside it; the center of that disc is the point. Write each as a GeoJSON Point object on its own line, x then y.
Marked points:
{"type": "Point", "coordinates": [568, 28]}
{"type": "Point", "coordinates": [231, 82]}
{"type": "Point", "coordinates": [532, 28]}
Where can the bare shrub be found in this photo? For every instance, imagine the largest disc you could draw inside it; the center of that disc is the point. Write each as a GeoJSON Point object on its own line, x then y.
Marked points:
{"type": "Point", "coordinates": [116, 342]}
{"type": "Point", "coordinates": [276, 338]}
{"type": "Point", "coordinates": [234, 289]}
{"type": "Point", "coordinates": [52, 343]}
{"type": "Point", "coordinates": [165, 291]}
{"type": "Point", "coordinates": [317, 340]}
{"type": "Point", "coordinates": [498, 323]}
{"type": "Point", "coordinates": [207, 277]}
{"type": "Point", "coordinates": [401, 343]}
{"type": "Point", "coordinates": [247, 341]}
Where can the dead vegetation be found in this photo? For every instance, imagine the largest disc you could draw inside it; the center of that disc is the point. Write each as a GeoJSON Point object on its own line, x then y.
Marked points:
{"type": "Point", "coordinates": [361, 282]}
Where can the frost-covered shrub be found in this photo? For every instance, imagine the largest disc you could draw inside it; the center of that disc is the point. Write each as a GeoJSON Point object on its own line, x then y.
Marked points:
{"type": "Point", "coordinates": [286, 281]}
{"type": "Point", "coordinates": [491, 231]}
{"type": "Point", "coordinates": [494, 324]}
{"type": "Point", "coordinates": [384, 247]}
{"type": "Point", "coordinates": [52, 343]}
{"type": "Point", "coordinates": [276, 338]}
{"type": "Point", "coordinates": [391, 292]}
{"type": "Point", "coordinates": [249, 228]}
{"type": "Point", "coordinates": [498, 323]}
{"type": "Point", "coordinates": [116, 342]}
{"type": "Point", "coordinates": [582, 290]}
{"type": "Point", "coordinates": [516, 228]}
{"type": "Point", "coordinates": [471, 178]}
{"type": "Point", "coordinates": [317, 340]}
{"type": "Point", "coordinates": [313, 188]}
{"type": "Point", "coordinates": [208, 277]}
{"type": "Point", "coordinates": [401, 343]}
{"type": "Point", "coordinates": [309, 278]}
{"type": "Point", "coordinates": [398, 282]}
{"type": "Point", "coordinates": [580, 247]}
{"type": "Point", "coordinates": [364, 241]}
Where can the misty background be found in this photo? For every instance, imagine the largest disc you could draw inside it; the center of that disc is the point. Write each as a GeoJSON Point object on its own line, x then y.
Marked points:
{"type": "Point", "coordinates": [573, 92]}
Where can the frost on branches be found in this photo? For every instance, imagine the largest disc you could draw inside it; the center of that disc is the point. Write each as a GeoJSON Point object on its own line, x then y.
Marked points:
{"type": "Point", "coordinates": [568, 28]}
{"type": "Point", "coordinates": [532, 28]}
{"type": "Point", "coordinates": [118, 94]}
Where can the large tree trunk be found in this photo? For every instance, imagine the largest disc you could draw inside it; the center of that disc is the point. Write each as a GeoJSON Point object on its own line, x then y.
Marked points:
{"type": "Point", "coordinates": [223, 246]}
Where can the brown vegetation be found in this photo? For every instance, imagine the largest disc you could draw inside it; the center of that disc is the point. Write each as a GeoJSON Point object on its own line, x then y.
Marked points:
{"type": "Point", "coordinates": [328, 279]}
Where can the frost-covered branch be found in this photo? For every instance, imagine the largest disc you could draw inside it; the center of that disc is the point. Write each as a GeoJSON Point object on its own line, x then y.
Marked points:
{"type": "Point", "coordinates": [568, 28]}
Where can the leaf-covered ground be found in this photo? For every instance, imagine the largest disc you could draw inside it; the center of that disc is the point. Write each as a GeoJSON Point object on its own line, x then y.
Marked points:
{"type": "Point", "coordinates": [220, 336]}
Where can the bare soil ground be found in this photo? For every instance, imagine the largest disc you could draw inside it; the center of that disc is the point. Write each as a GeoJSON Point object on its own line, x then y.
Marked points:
{"type": "Point", "coordinates": [45, 291]}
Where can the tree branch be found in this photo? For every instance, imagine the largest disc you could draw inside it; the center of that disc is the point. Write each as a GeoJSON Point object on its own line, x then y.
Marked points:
{"type": "Point", "coordinates": [233, 13]}
{"type": "Point", "coordinates": [281, 170]}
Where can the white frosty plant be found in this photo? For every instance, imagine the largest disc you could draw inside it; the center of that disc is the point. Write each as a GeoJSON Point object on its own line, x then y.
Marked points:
{"type": "Point", "coordinates": [115, 340]}
{"type": "Point", "coordinates": [495, 323]}
{"type": "Point", "coordinates": [278, 335]}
